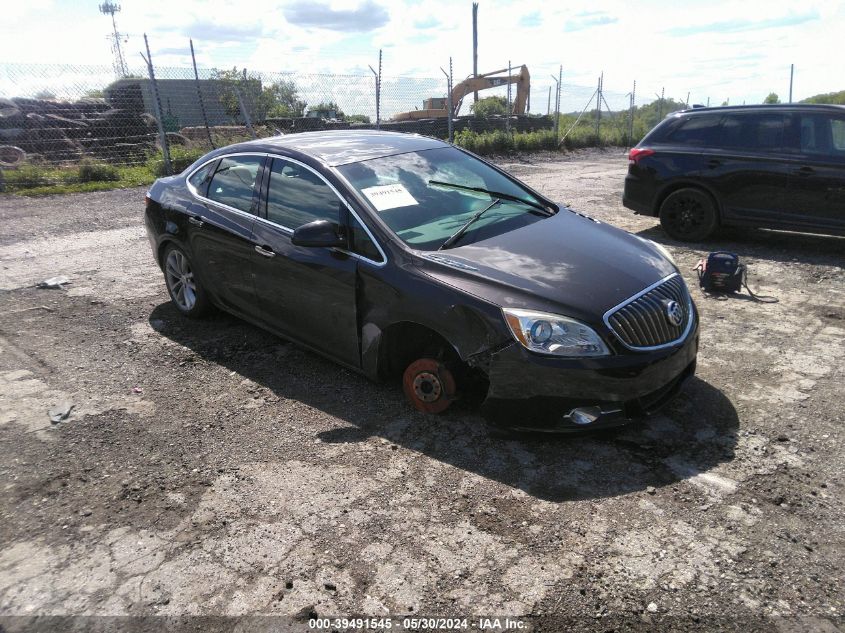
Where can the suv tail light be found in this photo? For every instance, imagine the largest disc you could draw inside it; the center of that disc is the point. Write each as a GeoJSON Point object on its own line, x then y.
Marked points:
{"type": "Point", "coordinates": [638, 153]}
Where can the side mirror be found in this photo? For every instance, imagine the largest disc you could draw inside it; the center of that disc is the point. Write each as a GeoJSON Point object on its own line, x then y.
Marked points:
{"type": "Point", "coordinates": [319, 233]}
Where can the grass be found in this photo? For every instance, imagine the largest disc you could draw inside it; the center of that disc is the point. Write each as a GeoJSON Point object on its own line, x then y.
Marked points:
{"type": "Point", "coordinates": [502, 142]}
{"type": "Point", "coordinates": [39, 180]}
{"type": "Point", "coordinates": [91, 175]}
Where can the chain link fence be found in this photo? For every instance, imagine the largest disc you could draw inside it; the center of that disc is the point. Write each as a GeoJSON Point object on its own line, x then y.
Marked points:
{"type": "Point", "coordinates": [62, 124]}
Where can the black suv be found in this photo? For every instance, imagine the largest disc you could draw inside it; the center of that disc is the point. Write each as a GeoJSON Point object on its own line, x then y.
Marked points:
{"type": "Point", "coordinates": [773, 166]}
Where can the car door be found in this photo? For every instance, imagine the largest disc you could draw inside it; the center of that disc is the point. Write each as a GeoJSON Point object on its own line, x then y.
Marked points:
{"type": "Point", "coordinates": [221, 233]}
{"type": "Point", "coordinates": [307, 293]}
{"type": "Point", "coordinates": [816, 197]}
{"type": "Point", "coordinates": [749, 167]}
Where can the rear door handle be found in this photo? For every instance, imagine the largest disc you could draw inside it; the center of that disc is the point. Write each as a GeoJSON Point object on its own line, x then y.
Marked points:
{"type": "Point", "coordinates": [195, 220]}
{"type": "Point", "coordinates": [265, 251]}
{"type": "Point", "coordinates": [804, 171]}
{"type": "Point", "coordinates": [713, 163]}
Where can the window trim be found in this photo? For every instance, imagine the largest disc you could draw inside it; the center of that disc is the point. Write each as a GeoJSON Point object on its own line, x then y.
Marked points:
{"type": "Point", "coordinates": [263, 187]}
{"type": "Point", "coordinates": [343, 200]}
{"type": "Point", "coordinates": [197, 194]}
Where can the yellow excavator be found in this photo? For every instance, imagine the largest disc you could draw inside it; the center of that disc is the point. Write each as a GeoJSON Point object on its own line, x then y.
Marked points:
{"type": "Point", "coordinates": [438, 106]}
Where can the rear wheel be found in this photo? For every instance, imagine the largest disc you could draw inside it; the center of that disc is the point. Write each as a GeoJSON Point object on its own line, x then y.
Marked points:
{"type": "Point", "coordinates": [689, 215]}
{"type": "Point", "coordinates": [429, 385]}
{"type": "Point", "coordinates": [186, 292]}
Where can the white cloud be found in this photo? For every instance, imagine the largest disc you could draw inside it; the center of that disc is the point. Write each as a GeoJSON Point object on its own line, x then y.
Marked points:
{"type": "Point", "coordinates": [721, 49]}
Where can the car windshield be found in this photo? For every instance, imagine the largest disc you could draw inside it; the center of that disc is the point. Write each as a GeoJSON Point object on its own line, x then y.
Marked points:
{"type": "Point", "coordinates": [410, 193]}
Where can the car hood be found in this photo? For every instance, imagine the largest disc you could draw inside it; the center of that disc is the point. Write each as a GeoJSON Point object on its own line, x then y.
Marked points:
{"type": "Point", "coordinates": [567, 263]}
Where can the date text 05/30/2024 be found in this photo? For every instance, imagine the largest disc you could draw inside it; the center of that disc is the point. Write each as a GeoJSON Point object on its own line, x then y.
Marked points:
{"type": "Point", "coordinates": [418, 624]}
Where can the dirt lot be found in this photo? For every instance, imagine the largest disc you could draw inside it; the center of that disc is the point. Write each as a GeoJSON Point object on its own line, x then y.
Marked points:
{"type": "Point", "coordinates": [210, 468]}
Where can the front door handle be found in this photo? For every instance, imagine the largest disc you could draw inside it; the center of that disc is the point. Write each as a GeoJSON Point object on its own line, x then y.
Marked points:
{"type": "Point", "coordinates": [195, 220]}
{"type": "Point", "coordinates": [713, 163]}
{"type": "Point", "coordinates": [804, 171]}
{"type": "Point", "coordinates": [264, 250]}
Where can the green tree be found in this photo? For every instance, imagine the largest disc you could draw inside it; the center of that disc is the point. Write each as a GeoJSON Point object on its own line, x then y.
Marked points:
{"type": "Point", "coordinates": [489, 106]}
{"type": "Point", "coordinates": [358, 118]}
{"type": "Point", "coordinates": [829, 97]}
{"type": "Point", "coordinates": [772, 98]}
{"type": "Point", "coordinates": [325, 108]}
{"type": "Point", "coordinates": [279, 99]}
{"type": "Point", "coordinates": [45, 94]}
{"type": "Point", "coordinates": [233, 82]}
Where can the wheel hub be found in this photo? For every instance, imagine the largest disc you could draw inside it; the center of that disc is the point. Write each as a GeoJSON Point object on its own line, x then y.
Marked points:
{"type": "Point", "coordinates": [427, 387]}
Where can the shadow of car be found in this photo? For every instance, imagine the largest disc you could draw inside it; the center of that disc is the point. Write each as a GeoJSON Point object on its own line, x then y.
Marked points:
{"type": "Point", "coordinates": [694, 434]}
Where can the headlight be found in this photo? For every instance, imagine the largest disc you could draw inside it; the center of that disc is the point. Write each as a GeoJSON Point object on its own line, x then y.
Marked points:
{"type": "Point", "coordinates": [665, 252]}
{"type": "Point", "coordinates": [554, 334]}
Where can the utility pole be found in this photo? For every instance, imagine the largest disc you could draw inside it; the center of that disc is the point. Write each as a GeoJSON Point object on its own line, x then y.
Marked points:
{"type": "Point", "coordinates": [162, 135]}
{"type": "Point", "coordinates": [475, 47]}
{"type": "Point", "coordinates": [598, 105]}
{"type": "Point", "coordinates": [631, 115]}
{"type": "Point", "coordinates": [199, 96]}
{"type": "Point", "coordinates": [687, 102]}
{"type": "Point", "coordinates": [791, 72]}
{"type": "Point", "coordinates": [557, 102]}
{"type": "Point", "coordinates": [510, 110]}
{"type": "Point", "coordinates": [377, 76]}
{"type": "Point", "coordinates": [557, 98]}
{"type": "Point", "coordinates": [450, 114]}
{"type": "Point", "coordinates": [549, 103]}
{"type": "Point", "coordinates": [660, 104]}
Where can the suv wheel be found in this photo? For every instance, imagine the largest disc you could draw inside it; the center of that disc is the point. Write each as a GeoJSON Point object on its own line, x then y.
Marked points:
{"type": "Point", "coordinates": [688, 215]}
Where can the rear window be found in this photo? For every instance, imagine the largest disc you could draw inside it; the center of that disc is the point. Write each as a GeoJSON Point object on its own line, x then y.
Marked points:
{"type": "Point", "coordinates": [695, 130]}
{"type": "Point", "coordinates": [761, 132]}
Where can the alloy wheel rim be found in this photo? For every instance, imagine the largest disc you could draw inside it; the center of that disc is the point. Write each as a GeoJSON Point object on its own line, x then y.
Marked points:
{"type": "Point", "coordinates": [180, 280]}
{"type": "Point", "coordinates": [687, 215]}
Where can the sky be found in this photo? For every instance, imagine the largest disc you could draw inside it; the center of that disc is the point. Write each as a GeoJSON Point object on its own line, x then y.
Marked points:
{"type": "Point", "coordinates": [736, 51]}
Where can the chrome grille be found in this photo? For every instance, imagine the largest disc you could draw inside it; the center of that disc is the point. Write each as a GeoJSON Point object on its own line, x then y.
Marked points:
{"type": "Point", "coordinates": [642, 321]}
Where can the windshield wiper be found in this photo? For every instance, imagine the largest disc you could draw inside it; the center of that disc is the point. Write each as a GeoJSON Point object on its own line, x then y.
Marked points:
{"type": "Point", "coordinates": [454, 237]}
{"type": "Point", "coordinates": [495, 194]}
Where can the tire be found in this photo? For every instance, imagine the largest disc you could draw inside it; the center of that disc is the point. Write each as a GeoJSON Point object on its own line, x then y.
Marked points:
{"type": "Point", "coordinates": [689, 215]}
{"type": "Point", "coordinates": [185, 290]}
{"type": "Point", "coordinates": [429, 385]}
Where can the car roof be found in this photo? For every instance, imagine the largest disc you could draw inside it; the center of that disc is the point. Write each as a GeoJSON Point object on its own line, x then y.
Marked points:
{"type": "Point", "coordinates": [340, 147]}
{"type": "Point", "coordinates": [816, 107]}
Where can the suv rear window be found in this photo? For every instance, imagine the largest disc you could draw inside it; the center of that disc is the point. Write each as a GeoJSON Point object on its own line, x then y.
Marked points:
{"type": "Point", "coordinates": [755, 131]}
{"type": "Point", "coordinates": [695, 130]}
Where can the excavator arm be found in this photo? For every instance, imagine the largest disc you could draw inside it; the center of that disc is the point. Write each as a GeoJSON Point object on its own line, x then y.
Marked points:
{"type": "Point", "coordinates": [493, 80]}
{"type": "Point", "coordinates": [475, 84]}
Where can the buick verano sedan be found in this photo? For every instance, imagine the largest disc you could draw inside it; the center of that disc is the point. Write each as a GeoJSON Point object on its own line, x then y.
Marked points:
{"type": "Point", "coordinates": [401, 256]}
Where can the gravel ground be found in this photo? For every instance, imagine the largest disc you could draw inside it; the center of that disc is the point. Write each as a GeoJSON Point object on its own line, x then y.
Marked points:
{"type": "Point", "coordinates": [209, 468]}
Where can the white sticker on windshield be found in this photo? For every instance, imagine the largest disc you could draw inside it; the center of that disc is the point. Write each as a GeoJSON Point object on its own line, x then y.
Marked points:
{"type": "Point", "coordinates": [386, 197]}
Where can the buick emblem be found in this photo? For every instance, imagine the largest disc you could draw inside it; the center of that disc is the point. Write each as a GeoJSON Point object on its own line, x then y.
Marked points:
{"type": "Point", "coordinates": [674, 314]}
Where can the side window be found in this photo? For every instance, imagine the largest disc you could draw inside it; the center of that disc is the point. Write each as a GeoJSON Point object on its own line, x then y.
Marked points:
{"type": "Point", "coordinates": [234, 181]}
{"type": "Point", "coordinates": [297, 196]}
{"type": "Point", "coordinates": [822, 135]}
{"type": "Point", "coordinates": [199, 180]}
{"type": "Point", "coordinates": [360, 242]}
{"type": "Point", "coordinates": [696, 130]}
{"type": "Point", "coordinates": [837, 129]}
{"type": "Point", "coordinates": [752, 131]}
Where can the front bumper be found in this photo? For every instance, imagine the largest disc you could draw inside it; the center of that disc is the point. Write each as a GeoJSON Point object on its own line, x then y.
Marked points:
{"type": "Point", "coordinates": [529, 391]}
